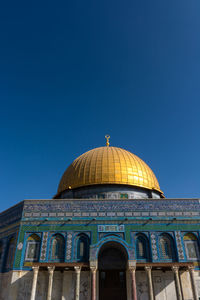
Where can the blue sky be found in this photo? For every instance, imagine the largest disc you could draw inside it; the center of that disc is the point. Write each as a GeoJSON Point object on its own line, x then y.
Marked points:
{"type": "Point", "coordinates": [73, 71]}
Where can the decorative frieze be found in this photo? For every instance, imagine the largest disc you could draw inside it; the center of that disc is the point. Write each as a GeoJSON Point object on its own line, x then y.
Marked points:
{"type": "Point", "coordinates": [163, 206]}
{"type": "Point", "coordinates": [111, 228]}
{"type": "Point", "coordinates": [112, 214]}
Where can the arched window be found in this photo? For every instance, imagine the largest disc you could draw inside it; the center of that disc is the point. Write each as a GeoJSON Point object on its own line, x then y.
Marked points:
{"type": "Point", "coordinates": [10, 251]}
{"type": "Point", "coordinates": [58, 248]}
{"type": "Point", "coordinates": [83, 248]}
{"type": "Point", "coordinates": [1, 254]}
{"type": "Point", "coordinates": [142, 248]}
{"type": "Point", "coordinates": [33, 248]}
{"type": "Point", "coordinates": [191, 246]}
{"type": "Point", "coordinates": [166, 247]}
{"type": "Point", "coordinates": [1, 250]}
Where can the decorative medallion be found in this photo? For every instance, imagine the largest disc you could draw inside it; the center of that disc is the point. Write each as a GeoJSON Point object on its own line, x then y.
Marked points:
{"type": "Point", "coordinates": [20, 246]}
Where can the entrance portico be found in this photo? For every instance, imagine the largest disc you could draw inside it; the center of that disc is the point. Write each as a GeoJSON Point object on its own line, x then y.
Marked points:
{"type": "Point", "coordinates": [112, 281]}
{"type": "Point", "coordinates": [112, 263]}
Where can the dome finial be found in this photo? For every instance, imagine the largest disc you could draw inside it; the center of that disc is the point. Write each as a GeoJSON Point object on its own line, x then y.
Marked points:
{"type": "Point", "coordinates": [107, 140]}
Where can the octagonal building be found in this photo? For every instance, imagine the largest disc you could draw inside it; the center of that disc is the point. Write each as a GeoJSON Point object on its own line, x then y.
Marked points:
{"type": "Point", "coordinates": [109, 233]}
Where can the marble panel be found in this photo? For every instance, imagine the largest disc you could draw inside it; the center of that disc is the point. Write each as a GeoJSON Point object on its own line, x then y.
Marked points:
{"type": "Point", "coordinates": [24, 286]}
{"type": "Point", "coordinates": [5, 285]}
{"type": "Point", "coordinates": [186, 285]}
{"type": "Point", "coordinates": [42, 284]}
{"type": "Point", "coordinates": [85, 286]}
{"type": "Point", "coordinates": [164, 285]}
{"type": "Point", "coordinates": [142, 285]}
{"type": "Point", "coordinates": [57, 285]}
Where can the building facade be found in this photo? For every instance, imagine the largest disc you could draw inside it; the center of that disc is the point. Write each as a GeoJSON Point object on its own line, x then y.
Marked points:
{"type": "Point", "coordinates": [109, 233]}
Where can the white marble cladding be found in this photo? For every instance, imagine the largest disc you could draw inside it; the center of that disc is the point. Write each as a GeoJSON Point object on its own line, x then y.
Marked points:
{"type": "Point", "coordinates": [113, 214]}
{"type": "Point", "coordinates": [17, 285]}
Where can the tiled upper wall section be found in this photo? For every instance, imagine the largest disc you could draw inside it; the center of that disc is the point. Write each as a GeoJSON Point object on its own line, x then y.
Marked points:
{"type": "Point", "coordinates": [112, 208]}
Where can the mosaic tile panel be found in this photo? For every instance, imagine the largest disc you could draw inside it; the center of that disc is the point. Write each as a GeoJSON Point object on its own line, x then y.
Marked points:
{"type": "Point", "coordinates": [189, 207]}
{"type": "Point", "coordinates": [143, 208]}
{"type": "Point", "coordinates": [179, 245]}
{"type": "Point", "coordinates": [11, 215]}
{"type": "Point", "coordinates": [43, 252]}
{"type": "Point", "coordinates": [154, 246]}
{"type": "Point", "coordinates": [94, 248]}
{"type": "Point", "coordinates": [3, 253]}
{"type": "Point", "coordinates": [69, 246]}
{"type": "Point", "coordinates": [75, 237]}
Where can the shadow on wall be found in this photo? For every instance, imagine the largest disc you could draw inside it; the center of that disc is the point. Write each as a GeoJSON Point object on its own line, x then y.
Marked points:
{"type": "Point", "coordinates": [20, 288]}
{"type": "Point", "coordinates": [163, 285]}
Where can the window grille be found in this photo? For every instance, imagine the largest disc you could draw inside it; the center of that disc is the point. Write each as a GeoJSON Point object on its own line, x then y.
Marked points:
{"type": "Point", "coordinates": [32, 248]}
{"type": "Point", "coordinates": [58, 248]}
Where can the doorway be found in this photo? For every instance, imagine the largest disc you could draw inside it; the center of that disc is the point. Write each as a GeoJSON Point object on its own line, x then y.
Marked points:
{"type": "Point", "coordinates": [112, 272]}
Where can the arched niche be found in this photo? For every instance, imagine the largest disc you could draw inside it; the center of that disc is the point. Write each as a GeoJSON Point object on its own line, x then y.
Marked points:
{"type": "Point", "coordinates": [112, 256]}
{"type": "Point", "coordinates": [112, 264]}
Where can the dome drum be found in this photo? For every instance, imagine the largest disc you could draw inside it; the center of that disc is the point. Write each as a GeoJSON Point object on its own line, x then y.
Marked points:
{"type": "Point", "coordinates": [106, 191]}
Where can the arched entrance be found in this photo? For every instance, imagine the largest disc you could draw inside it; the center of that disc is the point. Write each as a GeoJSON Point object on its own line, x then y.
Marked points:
{"type": "Point", "coordinates": [112, 262]}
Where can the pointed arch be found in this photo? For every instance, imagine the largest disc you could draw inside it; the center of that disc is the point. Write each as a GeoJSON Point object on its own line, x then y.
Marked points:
{"type": "Point", "coordinates": [10, 253]}
{"type": "Point", "coordinates": [112, 255]}
{"type": "Point", "coordinates": [82, 245]}
{"type": "Point", "coordinates": [33, 248]}
{"type": "Point", "coordinates": [57, 248]}
{"type": "Point", "coordinates": [1, 254]}
{"type": "Point", "coordinates": [1, 250]}
{"type": "Point", "coordinates": [166, 247]}
{"type": "Point", "coordinates": [191, 246]}
{"type": "Point", "coordinates": [142, 247]}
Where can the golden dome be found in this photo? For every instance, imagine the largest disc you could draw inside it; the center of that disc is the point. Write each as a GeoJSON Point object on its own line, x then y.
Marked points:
{"type": "Point", "coordinates": [108, 165]}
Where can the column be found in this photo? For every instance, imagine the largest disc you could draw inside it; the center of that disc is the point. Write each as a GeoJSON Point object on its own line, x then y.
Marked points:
{"type": "Point", "coordinates": [133, 282]}
{"type": "Point", "coordinates": [34, 284]}
{"type": "Point", "coordinates": [177, 281]}
{"type": "Point", "coordinates": [194, 290]}
{"type": "Point", "coordinates": [50, 283]}
{"type": "Point", "coordinates": [78, 274]}
{"type": "Point", "coordinates": [149, 276]}
{"type": "Point", "coordinates": [94, 272]}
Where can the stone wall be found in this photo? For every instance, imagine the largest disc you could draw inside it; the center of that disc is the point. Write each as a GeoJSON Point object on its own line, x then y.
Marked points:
{"type": "Point", "coordinates": [186, 285]}
{"type": "Point", "coordinates": [17, 285]}
{"type": "Point", "coordinates": [5, 283]}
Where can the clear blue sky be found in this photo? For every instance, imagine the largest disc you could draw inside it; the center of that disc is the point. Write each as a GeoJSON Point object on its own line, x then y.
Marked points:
{"type": "Point", "coordinates": [73, 71]}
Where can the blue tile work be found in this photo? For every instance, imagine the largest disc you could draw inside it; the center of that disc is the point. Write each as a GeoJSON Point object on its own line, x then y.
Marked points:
{"type": "Point", "coordinates": [154, 246]}
{"type": "Point", "coordinates": [49, 242]}
{"type": "Point", "coordinates": [74, 242]}
{"type": "Point", "coordinates": [43, 252]}
{"type": "Point", "coordinates": [179, 246]}
{"type": "Point", "coordinates": [69, 246]}
{"type": "Point", "coordinates": [71, 217]}
{"type": "Point", "coordinates": [147, 236]}
{"type": "Point", "coordinates": [112, 208]}
{"type": "Point", "coordinates": [7, 265]}
{"type": "Point", "coordinates": [94, 249]}
{"type": "Point", "coordinates": [3, 253]}
{"type": "Point", "coordinates": [11, 215]}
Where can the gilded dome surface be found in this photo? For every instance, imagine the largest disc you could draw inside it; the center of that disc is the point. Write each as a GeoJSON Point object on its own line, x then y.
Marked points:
{"type": "Point", "coordinates": [108, 165]}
